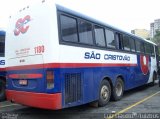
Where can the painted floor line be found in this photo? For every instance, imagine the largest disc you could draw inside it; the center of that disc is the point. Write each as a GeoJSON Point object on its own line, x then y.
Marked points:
{"type": "Point", "coordinates": [131, 106]}
{"type": "Point", "coordinates": [8, 105]}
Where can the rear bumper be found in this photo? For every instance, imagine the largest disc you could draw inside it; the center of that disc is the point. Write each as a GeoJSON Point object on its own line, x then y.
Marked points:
{"type": "Point", "coordinates": [38, 100]}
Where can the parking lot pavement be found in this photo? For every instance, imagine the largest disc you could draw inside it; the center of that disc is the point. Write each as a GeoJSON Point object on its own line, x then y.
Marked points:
{"type": "Point", "coordinates": [142, 100]}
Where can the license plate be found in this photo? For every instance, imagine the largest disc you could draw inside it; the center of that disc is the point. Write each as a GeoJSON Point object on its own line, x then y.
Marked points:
{"type": "Point", "coordinates": [23, 82]}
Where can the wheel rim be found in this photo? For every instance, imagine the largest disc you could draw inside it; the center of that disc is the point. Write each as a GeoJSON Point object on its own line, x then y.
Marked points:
{"type": "Point", "coordinates": [119, 89]}
{"type": "Point", "coordinates": [104, 93]}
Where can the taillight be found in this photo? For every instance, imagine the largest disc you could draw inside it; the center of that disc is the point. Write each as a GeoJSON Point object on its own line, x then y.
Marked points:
{"type": "Point", "coordinates": [50, 79]}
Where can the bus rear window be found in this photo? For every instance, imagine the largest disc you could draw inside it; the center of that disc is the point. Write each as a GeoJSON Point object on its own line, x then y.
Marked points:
{"type": "Point", "coordinates": [2, 45]}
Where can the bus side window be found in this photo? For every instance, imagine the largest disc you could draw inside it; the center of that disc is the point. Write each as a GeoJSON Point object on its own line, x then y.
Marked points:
{"type": "Point", "coordinates": [126, 43]}
{"type": "Point", "coordinates": [138, 46]}
{"type": "Point", "coordinates": [85, 32]}
{"type": "Point", "coordinates": [132, 43]}
{"type": "Point", "coordinates": [147, 48]}
{"type": "Point", "coordinates": [118, 41]}
{"type": "Point", "coordinates": [99, 36]}
{"type": "Point", "coordinates": [142, 47]}
{"type": "Point", "coordinates": [110, 39]}
{"type": "Point", "coordinates": [69, 29]}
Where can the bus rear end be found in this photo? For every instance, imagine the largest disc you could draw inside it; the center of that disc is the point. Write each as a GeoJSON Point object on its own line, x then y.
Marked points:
{"type": "Point", "coordinates": [30, 80]}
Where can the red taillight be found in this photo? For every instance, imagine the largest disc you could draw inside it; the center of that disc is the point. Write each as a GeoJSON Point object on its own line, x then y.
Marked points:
{"type": "Point", "coordinates": [50, 79]}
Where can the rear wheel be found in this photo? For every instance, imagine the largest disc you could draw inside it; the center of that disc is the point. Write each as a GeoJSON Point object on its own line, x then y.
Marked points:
{"type": "Point", "coordinates": [118, 89]}
{"type": "Point", "coordinates": [104, 93]}
{"type": "Point", "coordinates": [2, 90]}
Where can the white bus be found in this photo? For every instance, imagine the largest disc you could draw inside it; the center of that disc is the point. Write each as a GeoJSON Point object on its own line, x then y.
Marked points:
{"type": "Point", "coordinates": [59, 58]}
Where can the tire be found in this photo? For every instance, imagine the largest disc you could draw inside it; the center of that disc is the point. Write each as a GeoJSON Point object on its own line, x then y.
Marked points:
{"type": "Point", "coordinates": [118, 89]}
{"type": "Point", "coordinates": [2, 90]}
{"type": "Point", "coordinates": [104, 93]}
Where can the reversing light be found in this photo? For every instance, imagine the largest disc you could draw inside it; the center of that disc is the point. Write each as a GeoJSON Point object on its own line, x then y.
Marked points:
{"type": "Point", "coordinates": [50, 79]}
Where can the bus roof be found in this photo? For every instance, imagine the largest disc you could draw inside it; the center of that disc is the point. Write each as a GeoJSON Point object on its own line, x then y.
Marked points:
{"type": "Point", "coordinates": [64, 9]}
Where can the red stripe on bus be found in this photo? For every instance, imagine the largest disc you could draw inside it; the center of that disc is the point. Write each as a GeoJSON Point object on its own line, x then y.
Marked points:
{"type": "Point", "coordinates": [39, 100]}
{"type": "Point", "coordinates": [25, 76]}
{"type": "Point", "coordinates": [2, 69]}
{"type": "Point", "coordinates": [68, 65]}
